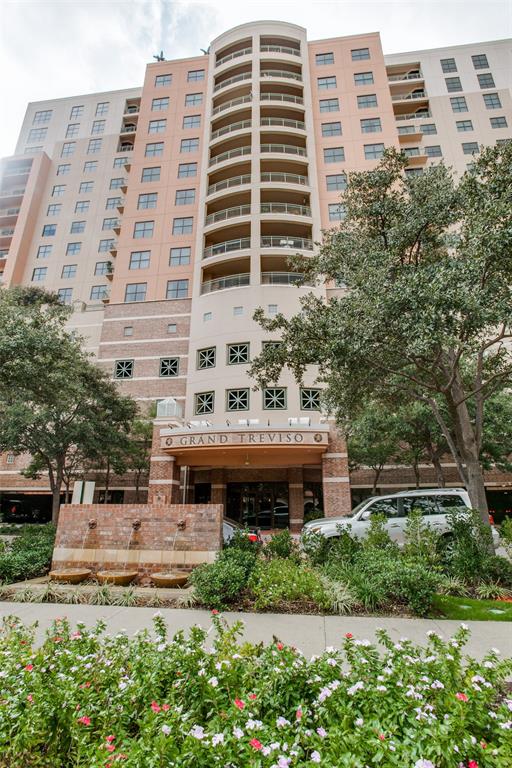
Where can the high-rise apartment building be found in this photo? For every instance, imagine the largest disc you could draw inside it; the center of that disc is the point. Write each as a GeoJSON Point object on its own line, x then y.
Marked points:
{"type": "Point", "coordinates": [167, 214]}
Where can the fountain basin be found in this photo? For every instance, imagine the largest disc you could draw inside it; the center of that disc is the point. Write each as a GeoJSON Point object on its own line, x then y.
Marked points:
{"type": "Point", "coordinates": [169, 578]}
{"type": "Point", "coordinates": [121, 578]}
{"type": "Point", "coordinates": [70, 575]}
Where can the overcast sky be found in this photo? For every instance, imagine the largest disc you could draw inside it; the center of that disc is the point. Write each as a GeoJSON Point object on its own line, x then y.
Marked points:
{"type": "Point", "coordinates": [50, 49]}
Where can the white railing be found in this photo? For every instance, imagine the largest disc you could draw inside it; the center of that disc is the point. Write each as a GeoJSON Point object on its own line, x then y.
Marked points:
{"type": "Point", "coordinates": [6, 232]}
{"type": "Point", "coordinates": [235, 181]}
{"type": "Point", "coordinates": [231, 80]}
{"type": "Point", "coordinates": [408, 76]}
{"type": "Point", "coordinates": [11, 192]}
{"type": "Point", "coordinates": [414, 115]}
{"type": "Point", "coordinates": [279, 49]}
{"type": "Point", "coordinates": [280, 73]}
{"type": "Point", "coordinates": [230, 128]}
{"type": "Point", "coordinates": [288, 149]}
{"type": "Point", "coordinates": [285, 178]}
{"type": "Point", "coordinates": [231, 103]}
{"type": "Point", "coordinates": [283, 121]}
{"type": "Point", "coordinates": [409, 96]}
{"type": "Point", "coordinates": [233, 281]}
{"type": "Point", "coordinates": [288, 208]}
{"type": "Point", "coordinates": [226, 247]}
{"type": "Point", "coordinates": [281, 278]}
{"type": "Point", "coordinates": [229, 154]}
{"type": "Point", "coordinates": [282, 97]}
{"type": "Point", "coordinates": [284, 241]}
{"type": "Point", "coordinates": [228, 213]}
{"type": "Point", "coordinates": [128, 129]}
{"type": "Point", "coordinates": [9, 211]}
{"type": "Point", "coordinates": [231, 56]}
{"type": "Point", "coordinates": [406, 130]}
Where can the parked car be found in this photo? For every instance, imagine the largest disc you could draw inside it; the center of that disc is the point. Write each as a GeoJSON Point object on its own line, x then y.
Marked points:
{"type": "Point", "coordinates": [434, 504]}
{"type": "Point", "coordinates": [230, 526]}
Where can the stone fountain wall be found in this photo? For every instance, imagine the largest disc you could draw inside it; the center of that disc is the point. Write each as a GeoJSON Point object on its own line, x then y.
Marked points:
{"type": "Point", "coordinates": [158, 545]}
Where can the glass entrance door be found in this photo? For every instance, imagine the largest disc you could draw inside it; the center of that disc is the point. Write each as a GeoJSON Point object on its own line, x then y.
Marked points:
{"type": "Point", "coordinates": [259, 505]}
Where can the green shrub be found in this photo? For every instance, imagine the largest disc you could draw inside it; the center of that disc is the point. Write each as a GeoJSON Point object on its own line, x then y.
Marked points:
{"type": "Point", "coordinates": [321, 550]}
{"type": "Point", "coordinates": [279, 581]}
{"type": "Point", "coordinates": [498, 569]}
{"type": "Point", "coordinates": [378, 536]}
{"type": "Point", "coordinates": [469, 546]}
{"type": "Point", "coordinates": [282, 544]}
{"type": "Point", "coordinates": [29, 555]}
{"type": "Point", "coordinates": [241, 540]}
{"type": "Point", "coordinates": [421, 541]}
{"type": "Point", "coordinates": [220, 583]}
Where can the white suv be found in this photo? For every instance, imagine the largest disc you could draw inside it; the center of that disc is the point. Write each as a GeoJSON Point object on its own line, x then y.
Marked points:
{"type": "Point", "coordinates": [434, 504]}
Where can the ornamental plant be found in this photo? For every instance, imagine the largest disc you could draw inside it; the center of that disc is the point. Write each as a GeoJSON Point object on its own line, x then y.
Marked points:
{"type": "Point", "coordinates": [88, 700]}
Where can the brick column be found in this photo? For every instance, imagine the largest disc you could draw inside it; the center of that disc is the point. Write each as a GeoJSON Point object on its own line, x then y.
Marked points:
{"type": "Point", "coordinates": [164, 474]}
{"type": "Point", "coordinates": [296, 498]}
{"type": "Point", "coordinates": [335, 477]}
{"type": "Point", "coordinates": [218, 496]}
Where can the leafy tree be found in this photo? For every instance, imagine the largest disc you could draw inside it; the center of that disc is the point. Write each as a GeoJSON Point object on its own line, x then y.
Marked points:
{"type": "Point", "coordinates": [421, 439]}
{"type": "Point", "coordinates": [373, 439]}
{"type": "Point", "coordinates": [427, 262]}
{"type": "Point", "coordinates": [139, 450]}
{"type": "Point", "coordinates": [54, 402]}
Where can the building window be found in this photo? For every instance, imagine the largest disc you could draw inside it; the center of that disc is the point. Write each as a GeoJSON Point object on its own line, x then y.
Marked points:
{"type": "Point", "coordinates": [86, 186]}
{"type": "Point", "coordinates": [237, 311]}
{"type": "Point", "coordinates": [189, 145]}
{"type": "Point", "coordinates": [65, 295]}
{"type": "Point", "coordinates": [116, 183]}
{"type": "Point", "coordinates": [206, 358]}
{"type": "Point", "coordinates": [90, 166]}
{"type": "Point", "coordinates": [195, 75]}
{"type": "Point", "coordinates": [112, 202]}
{"type": "Point", "coordinates": [94, 146]}
{"type": "Point", "coordinates": [237, 353]}
{"type": "Point", "coordinates": [185, 197]}
{"type": "Point", "coordinates": [162, 81]}
{"type": "Point", "coordinates": [486, 81]}
{"type": "Point", "coordinates": [433, 151]}
{"type": "Point", "coordinates": [459, 104]}
{"type": "Point", "coordinates": [204, 403]}
{"type": "Point", "coordinates": [272, 309]}
{"type": "Point", "coordinates": [120, 162]}
{"type": "Point", "coordinates": [359, 54]}
{"type": "Point", "coordinates": [373, 151]}
{"type": "Point", "coordinates": [128, 330]}
{"type": "Point", "coordinates": [82, 206]}
{"type": "Point", "coordinates": [98, 126]}
{"type": "Point", "coordinates": [428, 129]}
{"type": "Point", "coordinates": [63, 169]}
{"type": "Point", "coordinates": [498, 122]}
{"type": "Point", "coordinates": [150, 174]}
{"type": "Point", "coordinates": [76, 112]}
{"type": "Point", "coordinates": [367, 101]}
{"type": "Point", "coordinates": [448, 65]}
{"type": "Point", "coordinates": [192, 121]}
{"type": "Point", "coordinates": [172, 328]}
{"type": "Point", "coordinates": [158, 105]}
{"type": "Point", "coordinates": [148, 200]}
{"type": "Point", "coordinates": [143, 229]}
{"type": "Point", "coordinates": [44, 251]}
{"type": "Point", "coordinates": [310, 399]}
{"type": "Point", "coordinates": [73, 248]}
{"type": "Point", "coordinates": [492, 101]}
{"type": "Point", "coordinates": [363, 78]}
{"type": "Point", "coordinates": [68, 270]}
{"type": "Point", "coordinates": [102, 267]}
{"type": "Point", "coordinates": [98, 292]}
{"type": "Point", "coordinates": [183, 226]}
{"type": "Point", "coordinates": [110, 223]}
{"type": "Point", "coordinates": [49, 230]}
{"type": "Point", "coordinates": [43, 116]}
{"type": "Point", "coordinates": [37, 134]}
{"type": "Point", "coordinates": [324, 58]}
{"type": "Point", "coordinates": [470, 148]}
{"type": "Point", "coordinates": [337, 212]}
{"type": "Point", "coordinates": [237, 400]}
{"type": "Point", "coordinates": [336, 182]}
{"type": "Point", "coordinates": [480, 61]}
{"type": "Point", "coordinates": [334, 154]}
{"type": "Point", "coordinates": [453, 84]}
{"type": "Point", "coordinates": [68, 148]}
{"type": "Point", "coordinates": [54, 209]}
{"type": "Point", "coordinates": [179, 257]}
{"type": "Point", "coordinates": [502, 142]}
{"type": "Point", "coordinates": [58, 190]}
{"type": "Point", "coordinates": [274, 398]}
{"type": "Point", "coordinates": [155, 150]}
{"type": "Point", "coordinates": [39, 274]}
{"type": "Point", "coordinates": [102, 108]}
{"type": "Point", "coordinates": [329, 105]}
{"type": "Point", "coordinates": [331, 129]}
{"type": "Point", "coordinates": [186, 170]}
{"type": "Point", "coordinates": [193, 99]}
{"type": "Point", "coordinates": [140, 259]}
{"type": "Point", "coordinates": [207, 316]}
{"type": "Point", "coordinates": [32, 150]}
{"type": "Point", "coordinates": [169, 366]}
{"type": "Point", "coordinates": [77, 227]}
{"type": "Point", "coordinates": [135, 292]}
{"type": "Point", "coordinates": [371, 125]}
{"type": "Point", "coordinates": [464, 125]}
{"type": "Point", "coordinates": [325, 83]}
{"type": "Point", "coordinates": [177, 289]}
{"type": "Point", "coordinates": [123, 369]}
{"type": "Point", "coordinates": [157, 126]}
{"type": "Point", "coordinates": [105, 245]}
{"type": "Point", "coordinates": [72, 130]}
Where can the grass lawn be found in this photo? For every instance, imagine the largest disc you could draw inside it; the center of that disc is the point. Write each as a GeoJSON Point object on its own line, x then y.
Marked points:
{"type": "Point", "coordinates": [448, 607]}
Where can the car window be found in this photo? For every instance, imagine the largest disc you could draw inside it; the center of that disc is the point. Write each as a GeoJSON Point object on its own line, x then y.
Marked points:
{"type": "Point", "coordinates": [449, 502]}
{"type": "Point", "coordinates": [387, 507]}
{"type": "Point", "coordinates": [427, 505]}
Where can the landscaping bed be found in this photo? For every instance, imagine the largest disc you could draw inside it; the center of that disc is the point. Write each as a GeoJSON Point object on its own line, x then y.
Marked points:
{"type": "Point", "coordinates": [25, 551]}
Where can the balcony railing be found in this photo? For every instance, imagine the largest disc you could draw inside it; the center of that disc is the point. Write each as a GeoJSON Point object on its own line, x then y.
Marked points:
{"type": "Point", "coordinates": [235, 181]}
{"type": "Point", "coordinates": [237, 152]}
{"type": "Point", "coordinates": [414, 115]}
{"type": "Point", "coordinates": [282, 97]}
{"type": "Point", "coordinates": [126, 148]}
{"type": "Point", "coordinates": [408, 76]}
{"type": "Point", "coordinates": [235, 55]}
{"type": "Point", "coordinates": [240, 125]}
{"type": "Point", "coordinates": [232, 103]}
{"type": "Point", "coordinates": [282, 121]}
{"type": "Point", "coordinates": [280, 73]}
{"type": "Point", "coordinates": [6, 232]}
{"type": "Point", "coordinates": [228, 213]}
{"type": "Point", "coordinates": [287, 149]}
{"type": "Point", "coordinates": [11, 192]}
{"type": "Point", "coordinates": [409, 96]}
{"type": "Point", "coordinates": [128, 129]}
{"type": "Point", "coordinates": [132, 109]}
{"type": "Point", "coordinates": [232, 281]}
{"type": "Point", "coordinates": [281, 278]}
{"type": "Point", "coordinates": [231, 80]}
{"type": "Point", "coordinates": [9, 211]}
{"type": "Point", "coordinates": [283, 241]}
{"type": "Point", "coordinates": [288, 208]}
{"type": "Point", "coordinates": [405, 130]}
{"type": "Point", "coordinates": [279, 49]}
{"type": "Point", "coordinates": [226, 247]}
{"type": "Point", "coordinates": [285, 178]}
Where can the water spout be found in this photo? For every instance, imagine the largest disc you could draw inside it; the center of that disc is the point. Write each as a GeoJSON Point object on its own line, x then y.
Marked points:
{"type": "Point", "coordinates": [92, 524]}
{"type": "Point", "coordinates": [136, 525]}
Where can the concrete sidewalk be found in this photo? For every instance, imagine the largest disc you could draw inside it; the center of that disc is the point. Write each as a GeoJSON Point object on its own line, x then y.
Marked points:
{"type": "Point", "coordinates": [309, 633]}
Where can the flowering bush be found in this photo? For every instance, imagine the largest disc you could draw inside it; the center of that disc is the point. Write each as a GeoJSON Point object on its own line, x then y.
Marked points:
{"type": "Point", "coordinates": [87, 700]}
{"type": "Point", "coordinates": [29, 555]}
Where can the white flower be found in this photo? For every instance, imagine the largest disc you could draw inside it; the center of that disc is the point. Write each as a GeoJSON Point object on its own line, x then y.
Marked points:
{"type": "Point", "coordinates": [331, 662]}
{"type": "Point", "coordinates": [217, 738]}
{"type": "Point", "coordinates": [422, 763]}
{"type": "Point", "coordinates": [122, 686]}
{"type": "Point", "coordinates": [161, 647]}
{"type": "Point", "coordinates": [464, 626]}
{"type": "Point", "coordinates": [166, 730]}
{"type": "Point", "coordinates": [488, 664]}
{"type": "Point", "coordinates": [197, 732]}
{"type": "Point", "coordinates": [359, 721]}
{"type": "Point", "coordinates": [381, 688]}
{"type": "Point", "coordinates": [315, 757]}
{"type": "Point", "coordinates": [496, 651]}
{"type": "Point", "coordinates": [506, 726]}
{"type": "Point", "coordinates": [281, 722]}
{"type": "Point", "coordinates": [356, 687]}
{"type": "Point", "coordinates": [213, 682]}
{"type": "Point", "coordinates": [158, 615]}
{"type": "Point", "coordinates": [321, 732]}
{"type": "Point", "coordinates": [324, 694]}
{"type": "Point", "coordinates": [437, 684]}
{"type": "Point", "coordinates": [237, 732]}
{"type": "Point", "coordinates": [253, 725]}
{"type": "Point", "coordinates": [508, 702]}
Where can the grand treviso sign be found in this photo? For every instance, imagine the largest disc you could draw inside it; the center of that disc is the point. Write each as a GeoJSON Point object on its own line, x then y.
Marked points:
{"type": "Point", "coordinates": [179, 439]}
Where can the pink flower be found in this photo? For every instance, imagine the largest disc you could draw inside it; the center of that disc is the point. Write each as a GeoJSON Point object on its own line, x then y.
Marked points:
{"type": "Point", "coordinates": [29, 668]}
{"type": "Point", "coordinates": [84, 720]}
{"type": "Point", "coordinates": [110, 739]}
{"type": "Point", "coordinates": [382, 737]}
{"type": "Point", "coordinates": [255, 744]}
{"type": "Point", "coordinates": [298, 714]}
{"type": "Point", "coordinates": [109, 747]}
{"type": "Point", "coordinates": [166, 707]}
{"type": "Point", "coordinates": [252, 696]}
{"type": "Point", "coordinates": [239, 703]}
{"type": "Point", "coordinates": [280, 646]}
{"type": "Point", "coordinates": [30, 698]}
{"type": "Point", "coordinates": [472, 764]}
{"type": "Point", "coordinates": [214, 612]}
{"type": "Point", "coordinates": [155, 707]}
{"type": "Point", "coordinates": [461, 697]}
{"type": "Point", "coordinates": [349, 635]}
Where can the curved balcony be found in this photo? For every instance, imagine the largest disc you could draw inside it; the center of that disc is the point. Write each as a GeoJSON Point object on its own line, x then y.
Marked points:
{"type": "Point", "coordinates": [279, 49]}
{"type": "Point", "coordinates": [281, 74]}
{"type": "Point", "coordinates": [235, 181]}
{"type": "Point", "coordinates": [290, 209]}
{"type": "Point", "coordinates": [405, 76]}
{"type": "Point", "coordinates": [232, 80]}
{"type": "Point", "coordinates": [285, 97]}
{"type": "Point", "coordinates": [282, 278]}
{"type": "Point", "coordinates": [231, 281]}
{"type": "Point", "coordinates": [419, 115]}
{"type": "Point", "coordinates": [227, 247]}
{"type": "Point", "coordinates": [232, 103]}
{"type": "Point", "coordinates": [287, 149]}
{"type": "Point", "coordinates": [230, 154]}
{"type": "Point", "coordinates": [284, 241]}
{"type": "Point", "coordinates": [227, 213]}
{"type": "Point", "coordinates": [412, 96]}
{"type": "Point", "coordinates": [284, 178]}
{"type": "Point", "coordinates": [234, 55]}
{"type": "Point", "coordinates": [283, 122]}
{"type": "Point", "coordinates": [239, 126]}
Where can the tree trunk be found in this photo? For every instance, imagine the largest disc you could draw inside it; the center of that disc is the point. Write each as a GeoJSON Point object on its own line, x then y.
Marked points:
{"type": "Point", "coordinates": [376, 478]}
{"type": "Point", "coordinates": [436, 461]}
{"type": "Point", "coordinates": [416, 474]}
{"type": "Point", "coordinates": [56, 485]}
{"type": "Point", "coordinates": [107, 481]}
